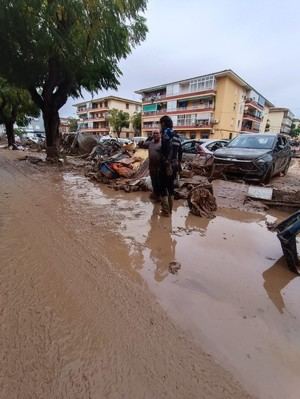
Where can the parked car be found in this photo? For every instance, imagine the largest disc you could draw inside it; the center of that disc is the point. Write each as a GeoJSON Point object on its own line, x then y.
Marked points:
{"type": "Point", "coordinates": [192, 148]}
{"type": "Point", "coordinates": [255, 156]}
{"type": "Point", "coordinates": [139, 139]}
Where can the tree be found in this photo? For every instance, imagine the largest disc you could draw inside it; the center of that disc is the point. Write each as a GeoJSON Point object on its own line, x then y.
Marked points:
{"type": "Point", "coordinates": [62, 46]}
{"type": "Point", "coordinates": [118, 120]}
{"type": "Point", "coordinates": [295, 132]}
{"type": "Point", "coordinates": [136, 121]}
{"type": "Point", "coordinates": [16, 106]}
{"type": "Point", "coordinates": [73, 125]}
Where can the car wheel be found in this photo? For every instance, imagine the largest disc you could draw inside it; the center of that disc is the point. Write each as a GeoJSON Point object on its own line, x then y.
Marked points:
{"type": "Point", "coordinates": [286, 168]}
{"type": "Point", "coordinates": [268, 176]}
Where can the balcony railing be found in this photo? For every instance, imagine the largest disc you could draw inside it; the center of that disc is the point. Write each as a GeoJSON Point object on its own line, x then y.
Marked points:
{"type": "Point", "coordinates": [91, 109]}
{"type": "Point", "coordinates": [250, 129]}
{"type": "Point", "coordinates": [198, 108]}
{"type": "Point", "coordinates": [252, 117]}
{"type": "Point", "coordinates": [253, 103]}
{"type": "Point", "coordinates": [185, 124]}
{"type": "Point", "coordinates": [158, 97]}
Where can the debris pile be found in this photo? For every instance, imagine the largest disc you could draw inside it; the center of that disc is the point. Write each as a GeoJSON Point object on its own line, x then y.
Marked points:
{"type": "Point", "coordinates": [185, 186]}
{"type": "Point", "coordinates": [202, 202]}
{"type": "Point", "coordinates": [174, 267]}
{"type": "Point", "coordinates": [119, 166]}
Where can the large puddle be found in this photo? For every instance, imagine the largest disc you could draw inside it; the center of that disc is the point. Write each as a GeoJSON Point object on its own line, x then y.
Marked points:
{"type": "Point", "coordinates": [233, 292]}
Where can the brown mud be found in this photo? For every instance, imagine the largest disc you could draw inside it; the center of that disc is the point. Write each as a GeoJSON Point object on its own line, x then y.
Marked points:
{"type": "Point", "coordinates": [89, 308]}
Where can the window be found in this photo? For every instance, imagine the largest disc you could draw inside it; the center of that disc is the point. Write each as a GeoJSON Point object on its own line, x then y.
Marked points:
{"type": "Point", "coordinates": [239, 122]}
{"type": "Point", "coordinates": [127, 106]}
{"type": "Point", "coordinates": [193, 135]}
{"type": "Point", "coordinates": [204, 83]}
{"type": "Point", "coordinates": [189, 147]}
{"type": "Point", "coordinates": [105, 104]}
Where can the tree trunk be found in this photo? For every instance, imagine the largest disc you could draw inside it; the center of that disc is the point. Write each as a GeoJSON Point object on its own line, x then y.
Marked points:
{"type": "Point", "coordinates": [9, 127]}
{"type": "Point", "coordinates": [51, 122]}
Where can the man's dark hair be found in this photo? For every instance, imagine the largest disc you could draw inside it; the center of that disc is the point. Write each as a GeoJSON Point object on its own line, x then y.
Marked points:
{"type": "Point", "coordinates": [166, 122]}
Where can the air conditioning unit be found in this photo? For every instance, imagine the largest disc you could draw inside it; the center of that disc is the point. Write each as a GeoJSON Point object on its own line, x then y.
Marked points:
{"type": "Point", "coordinates": [214, 121]}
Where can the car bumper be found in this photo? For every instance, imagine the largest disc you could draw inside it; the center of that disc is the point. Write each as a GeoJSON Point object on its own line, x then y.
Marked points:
{"type": "Point", "coordinates": [239, 167]}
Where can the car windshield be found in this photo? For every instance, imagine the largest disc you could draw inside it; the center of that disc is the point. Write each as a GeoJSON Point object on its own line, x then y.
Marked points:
{"type": "Point", "coordinates": [259, 142]}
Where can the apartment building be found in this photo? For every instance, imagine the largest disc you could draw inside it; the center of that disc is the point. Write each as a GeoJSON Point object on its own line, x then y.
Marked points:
{"type": "Point", "coordinates": [64, 126]}
{"type": "Point", "coordinates": [93, 114]}
{"type": "Point", "coordinates": [218, 105]}
{"type": "Point", "coordinates": [279, 120]}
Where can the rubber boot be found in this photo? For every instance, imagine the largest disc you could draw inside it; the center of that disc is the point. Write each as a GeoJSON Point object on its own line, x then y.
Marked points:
{"type": "Point", "coordinates": [165, 210]}
{"type": "Point", "coordinates": [171, 201]}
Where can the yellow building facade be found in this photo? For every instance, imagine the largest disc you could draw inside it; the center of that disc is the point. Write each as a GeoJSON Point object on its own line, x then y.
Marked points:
{"type": "Point", "coordinates": [279, 120]}
{"type": "Point", "coordinates": [93, 114]}
{"type": "Point", "coordinates": [218, 105]}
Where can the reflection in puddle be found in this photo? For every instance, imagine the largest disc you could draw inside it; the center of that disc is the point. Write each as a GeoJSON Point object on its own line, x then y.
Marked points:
{"type": "Point", "coordinates": [276, 279]}
{"type": "Point", "coordinates": [160, 243]}
{"type": "Point", "coordinates": [233, 292]}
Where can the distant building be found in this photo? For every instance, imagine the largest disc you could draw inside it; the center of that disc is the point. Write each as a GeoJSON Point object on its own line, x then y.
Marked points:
{"type": "Point", "coordinates": [93, 115]}
{"type": "Point", "coordinates": [218, 105]}
{"type": "Point", "coordinates": [36, 125]}
{"type": "Point", "coordinates": [64, 126]}
{"type": "Point", "coordinates": [279, 120]}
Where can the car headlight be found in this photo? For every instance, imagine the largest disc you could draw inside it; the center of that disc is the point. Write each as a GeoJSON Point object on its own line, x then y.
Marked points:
{"type": "Point", "coordinates": [267, 158]}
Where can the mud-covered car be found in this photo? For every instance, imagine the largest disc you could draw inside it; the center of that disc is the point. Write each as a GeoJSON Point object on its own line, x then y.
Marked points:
{"type": "Point", "coordinates": [255, 156]}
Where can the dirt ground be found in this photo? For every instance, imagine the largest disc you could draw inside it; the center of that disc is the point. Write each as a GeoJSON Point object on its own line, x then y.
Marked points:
{"type": "Point", "coordinates": [89, 309]}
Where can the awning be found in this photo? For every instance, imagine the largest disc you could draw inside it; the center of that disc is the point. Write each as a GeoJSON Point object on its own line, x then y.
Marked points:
{"type": "Point", "coordinates": [150, 108]}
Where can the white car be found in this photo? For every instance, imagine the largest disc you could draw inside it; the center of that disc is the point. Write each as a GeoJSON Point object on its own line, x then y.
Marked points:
{"type": "Point", "coordinates": [203, 147]}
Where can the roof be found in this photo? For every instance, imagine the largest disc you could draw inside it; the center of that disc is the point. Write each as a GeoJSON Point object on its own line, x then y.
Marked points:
{"type": "Point", "coordinates": [279, 109]}
{"type": "Point", "coordinates": [225, 72]}
{"type": "Point", "coordinates": [94, 100]}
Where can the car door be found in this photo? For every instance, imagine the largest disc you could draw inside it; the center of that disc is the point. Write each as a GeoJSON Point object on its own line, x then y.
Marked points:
{"type": "Point", "coordinates": [188, 151]}
{"type": "Point", "coordinates": [280, 154]}
{"type": "Point", "coordinates": [285, 153]}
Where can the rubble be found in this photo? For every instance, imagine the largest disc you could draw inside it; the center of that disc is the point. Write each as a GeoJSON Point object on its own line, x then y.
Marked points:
{"type": "Point", "coordinates": [187, 184]}
{"type": "Point", "coordinates": [288, 197]}
{"type": "Point", "coordinates": [202, 202]}
{"type": "Point", "coordinates": [174, 267]}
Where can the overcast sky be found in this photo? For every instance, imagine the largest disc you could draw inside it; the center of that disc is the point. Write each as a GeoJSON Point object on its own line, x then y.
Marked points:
{"type": "Point", "coordinates": [258, 39]}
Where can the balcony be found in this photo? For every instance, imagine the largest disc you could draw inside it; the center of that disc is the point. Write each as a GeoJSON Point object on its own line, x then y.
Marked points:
{"type": "Point", "coordinates": [251, 117]}
{"type": "Point", "coordinates": [181, 94]}
{"type": "Point", "coordinates": [180, 110]}
{"type": "Point", "coordinates": [91, 110]}
{"type": "Point", "coordinates": [205, 124]}
{"type": "Point", "coordinates": [93, 130]}
{"type": "Point", "coordinates": [253, 104]}
{"type": "Point", "coordinates": [151, 126]}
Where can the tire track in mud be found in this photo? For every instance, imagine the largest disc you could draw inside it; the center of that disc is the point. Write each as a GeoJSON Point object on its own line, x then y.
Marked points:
{"type": "Point", "coordinates": [73, 325]}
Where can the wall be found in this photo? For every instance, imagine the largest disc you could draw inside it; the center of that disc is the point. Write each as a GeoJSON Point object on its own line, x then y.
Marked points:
{"type": "Point", "coordinates": [265, 119]}
{"type": "Point", "coordinates": [275, 121]}
{"type": "Point", "coordinates": [229, 108]}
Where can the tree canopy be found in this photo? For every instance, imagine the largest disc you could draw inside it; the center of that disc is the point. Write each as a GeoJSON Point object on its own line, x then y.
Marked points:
{"type": "Point", "coordinates": [136, 121]}
{"type": "Point", "coordinates": [73, 124]}
{"type": "Point", "coordinates": [55, 48]}
{"type": "Point", "coordinates": [16, 106]}
{"type": "Point", "coordinates": [118, 120]}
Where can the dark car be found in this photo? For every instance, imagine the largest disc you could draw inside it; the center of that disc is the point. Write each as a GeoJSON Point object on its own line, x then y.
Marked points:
{"type": "Point", "coordinates": [255, 156]}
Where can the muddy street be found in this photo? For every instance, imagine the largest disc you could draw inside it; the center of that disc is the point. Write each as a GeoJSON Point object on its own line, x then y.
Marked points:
{"type": "Point", "coordinates": [88, 308]}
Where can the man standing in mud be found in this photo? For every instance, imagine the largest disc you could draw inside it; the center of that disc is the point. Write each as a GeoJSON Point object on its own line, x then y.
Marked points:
{"type": "Point", "coordinates": [153, 144]}
{"type": "Point", "coordinates": [170, 163]}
